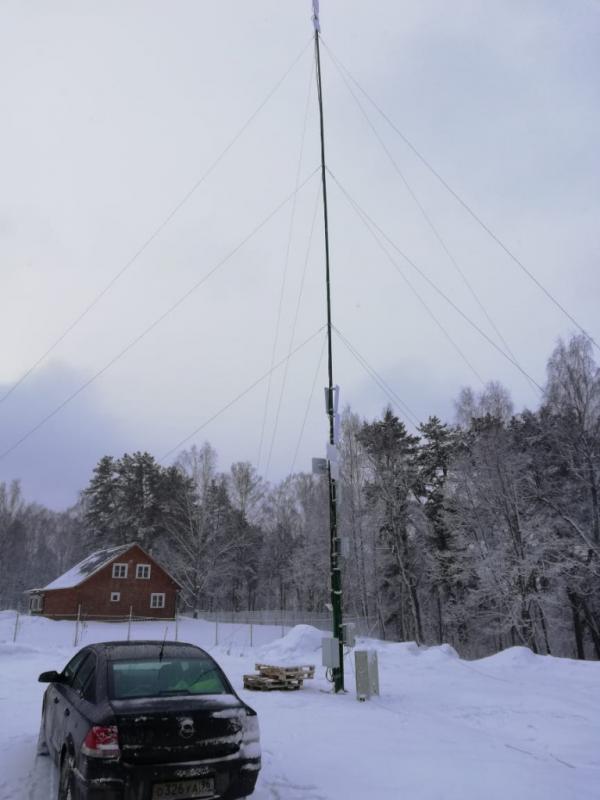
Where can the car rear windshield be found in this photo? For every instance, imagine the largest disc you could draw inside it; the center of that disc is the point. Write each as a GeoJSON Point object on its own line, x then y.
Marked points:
{"type": "Point", "coordinates": [161, 678]}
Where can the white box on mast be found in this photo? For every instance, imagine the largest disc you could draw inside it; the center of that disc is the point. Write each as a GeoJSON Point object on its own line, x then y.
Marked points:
{"type": "Point", "coordinates": [331, 652]}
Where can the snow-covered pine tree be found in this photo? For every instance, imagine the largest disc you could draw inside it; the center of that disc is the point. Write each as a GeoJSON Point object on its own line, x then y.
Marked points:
{"type": "Point", "coordinates": [393, 475]}
{"type": "Point", "coordinates": [437, 449]}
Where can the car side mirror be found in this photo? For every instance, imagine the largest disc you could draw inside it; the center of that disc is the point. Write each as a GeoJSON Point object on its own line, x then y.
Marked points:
{"type": "Point", "coordinates": [50, 677]}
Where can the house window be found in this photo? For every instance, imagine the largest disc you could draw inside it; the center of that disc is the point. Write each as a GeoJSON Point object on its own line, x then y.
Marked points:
{"type": "Point", "coordinates": [142, 571]}
{"type": "Point", "coordinates": [119, 571]}
{"type": "Point", "coordinates": [115, 597]}
{"type": "Point", "coordinates": [35, 603]}
{"type": "Point", "coordinates": [157, 600]}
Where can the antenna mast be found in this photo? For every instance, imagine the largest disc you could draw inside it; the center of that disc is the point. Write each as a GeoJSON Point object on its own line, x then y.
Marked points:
{"type": "Point", "coordinates": [331, 401]}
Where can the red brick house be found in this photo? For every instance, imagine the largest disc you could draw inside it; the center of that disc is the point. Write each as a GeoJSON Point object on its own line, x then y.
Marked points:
{"type": "Point", "coordinates": [109, 584]}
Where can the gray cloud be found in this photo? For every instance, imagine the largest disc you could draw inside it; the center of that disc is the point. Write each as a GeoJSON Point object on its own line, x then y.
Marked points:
{"type": "Point", "coordinates": [57, 461]}
{"type": "Point", "coordinates": [115, 110]}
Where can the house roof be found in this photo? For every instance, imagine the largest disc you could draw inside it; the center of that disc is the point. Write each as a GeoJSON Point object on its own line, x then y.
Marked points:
{"type": "Point", "coordinates": [92, 564]}
{"type": "Point", "coordinates": [82, 571]}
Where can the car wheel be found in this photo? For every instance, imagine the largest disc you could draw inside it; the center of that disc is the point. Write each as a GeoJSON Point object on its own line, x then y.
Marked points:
{"type": "Point", "coordinates": [65, 783]}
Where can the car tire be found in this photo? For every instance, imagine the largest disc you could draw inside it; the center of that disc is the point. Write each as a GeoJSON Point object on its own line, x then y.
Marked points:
{"type": "Point", "coordinates": [65, 781]}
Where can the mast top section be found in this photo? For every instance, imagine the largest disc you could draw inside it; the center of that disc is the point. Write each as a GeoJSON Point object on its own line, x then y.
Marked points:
{"type": "Point", "coordinates": [315, 19]}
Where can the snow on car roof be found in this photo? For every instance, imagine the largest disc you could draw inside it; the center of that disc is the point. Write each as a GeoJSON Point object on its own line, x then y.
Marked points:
{"type": "Point", "coordinates": [143, 648]}
{"type": "Point", "coordinates": [82, 571]}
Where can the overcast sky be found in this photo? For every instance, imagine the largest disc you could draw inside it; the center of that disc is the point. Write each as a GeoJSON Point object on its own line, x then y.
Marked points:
{"type": "Point", "coordinates": [112, 111]}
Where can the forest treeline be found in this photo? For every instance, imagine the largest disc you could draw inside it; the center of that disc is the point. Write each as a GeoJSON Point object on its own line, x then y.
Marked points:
{"type": "Point", "coordinates": [483, 533]}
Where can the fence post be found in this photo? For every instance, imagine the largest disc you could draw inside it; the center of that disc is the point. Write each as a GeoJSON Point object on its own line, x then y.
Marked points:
{"type": "Point", "coordinates": [129, 623]}
{"type": "Point", "coordinates": [216, 632]}
{"type": "Point", "coordinates": [251, 634]}
{"type": "Point", "coordinates": [77, 625]}
{"type": "Point", "coordinates": [16, 627]}
{"type": "Point", "coordinates": [176, 627]}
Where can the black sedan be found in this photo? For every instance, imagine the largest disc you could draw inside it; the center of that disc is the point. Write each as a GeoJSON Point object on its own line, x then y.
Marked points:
{"type": "Point", "coordinates": [148, 721]}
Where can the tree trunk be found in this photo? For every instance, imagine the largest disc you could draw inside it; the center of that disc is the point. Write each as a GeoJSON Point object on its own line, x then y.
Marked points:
{"type": "Point", "coordinates": [592, 625]}
{"type": "Point", "coordinates": [412, 597]}
{"type": "Point", "coordinates": [595, 504]}
{"type": "Point", "coordinates": [544, 629]}
{"type": "Point", "coordinates": [577, 624]}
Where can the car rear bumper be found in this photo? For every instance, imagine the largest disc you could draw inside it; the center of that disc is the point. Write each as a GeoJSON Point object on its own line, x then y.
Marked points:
{"type": "Point", "coordinates": [232, 779]}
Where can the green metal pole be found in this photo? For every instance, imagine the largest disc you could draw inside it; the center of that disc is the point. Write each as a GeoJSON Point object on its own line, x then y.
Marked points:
{"type": "Point", "coordinates": [334, 542]}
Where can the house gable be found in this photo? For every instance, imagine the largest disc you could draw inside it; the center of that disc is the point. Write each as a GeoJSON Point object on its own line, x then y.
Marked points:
{"type": "Point", "coordinates": [133, 556]}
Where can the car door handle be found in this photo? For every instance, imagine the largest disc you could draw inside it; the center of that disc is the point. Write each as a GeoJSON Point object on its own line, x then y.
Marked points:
{"type": "Point", "coordinates": [67, 712]}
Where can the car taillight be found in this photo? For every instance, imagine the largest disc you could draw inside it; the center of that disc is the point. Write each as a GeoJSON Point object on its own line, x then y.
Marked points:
{"type": "Point", "coordinates": [250, 747]}
{"type": "Point", "coordinates": [101, 742]}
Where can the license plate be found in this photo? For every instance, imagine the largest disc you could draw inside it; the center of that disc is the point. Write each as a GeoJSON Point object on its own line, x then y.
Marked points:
{"type": "Point", "coordinates": [184, 790]}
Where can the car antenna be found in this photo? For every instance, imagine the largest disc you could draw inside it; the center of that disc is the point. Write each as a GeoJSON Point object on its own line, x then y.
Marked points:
{"type": "Point", "coordinates": [162, 647]}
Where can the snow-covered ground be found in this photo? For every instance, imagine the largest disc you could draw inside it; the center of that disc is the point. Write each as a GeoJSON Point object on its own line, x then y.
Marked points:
{"type": "Point", "coordinates": [510, 727]}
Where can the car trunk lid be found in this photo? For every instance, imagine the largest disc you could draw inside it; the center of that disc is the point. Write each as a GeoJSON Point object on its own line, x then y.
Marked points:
{"type": "Point", "coordinates": [179, 728]}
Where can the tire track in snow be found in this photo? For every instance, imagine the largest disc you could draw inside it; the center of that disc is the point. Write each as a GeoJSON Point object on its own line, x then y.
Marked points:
{"type": "Point", "coordinates": [43, 782]}
{"type": "Point", "coordinates": [275, 786]}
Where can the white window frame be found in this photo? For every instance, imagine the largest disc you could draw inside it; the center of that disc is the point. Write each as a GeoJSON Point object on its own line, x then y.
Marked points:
{"type": "Point", "coordinates": [115, 597]}
{"type": "Point", "coordinates": [157, 599]}
{"type": "Point", "coordinates": [118, 569]}
{"type": "Point", "coordinates": [146, 568]}
{"type": "Point", "coordinates": [35, 603]}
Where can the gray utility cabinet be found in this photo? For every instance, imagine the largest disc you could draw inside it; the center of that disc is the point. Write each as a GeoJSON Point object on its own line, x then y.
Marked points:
{"type": "Point", "coordinates": [331, 652]}
{"type": "Point", "coordinates": [366, 668]}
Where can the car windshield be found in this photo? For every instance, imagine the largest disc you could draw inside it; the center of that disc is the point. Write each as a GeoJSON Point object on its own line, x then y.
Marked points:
{"type": "Point", "coordinates": [161, 678]}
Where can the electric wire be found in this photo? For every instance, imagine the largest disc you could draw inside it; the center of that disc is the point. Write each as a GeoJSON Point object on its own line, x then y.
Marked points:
{"type": "Point", "coordinates": [284, 280]}
{"type": "Point", "coordinates": [463, 203]}
{"type": "Point", "coordinates": [422, 209]}
{"type": "Point", "coordinates": [294, 325]}
{"type": "Point", "coordinates": [157, 320]}
{"type": "Point", "coordinates": [362, 213]}
{"type": "Point", "coordinates": [157, 231]}
{"type": "Point", "coordinates": [242, 394]}
{"type": "Point", "coordinates": [308, 405]}
{"type": "Point", "coordinates": [364, 219]}
{"type": "Point", "coordinates": [388, 391]}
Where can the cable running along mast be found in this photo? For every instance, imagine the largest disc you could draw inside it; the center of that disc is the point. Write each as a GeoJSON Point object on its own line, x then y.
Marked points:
{"type": "Point", "coordinates": [334, 540]}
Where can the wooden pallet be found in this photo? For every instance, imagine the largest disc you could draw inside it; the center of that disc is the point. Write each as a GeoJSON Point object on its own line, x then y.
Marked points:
{"type": "Point", "coordinates": [301, 672]}
{"type": "Point", "coordinates": [271, 677]}
{"type": "Point", "coordinates": [261, 683]}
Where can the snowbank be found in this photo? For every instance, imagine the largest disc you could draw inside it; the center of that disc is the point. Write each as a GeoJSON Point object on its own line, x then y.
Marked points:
{"type": "Point", "coordinates": [16, 649]}
{"type": "Point", "coordinates": [302, 643]}
{"type": "Point", "coordinates": [514, 656]}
